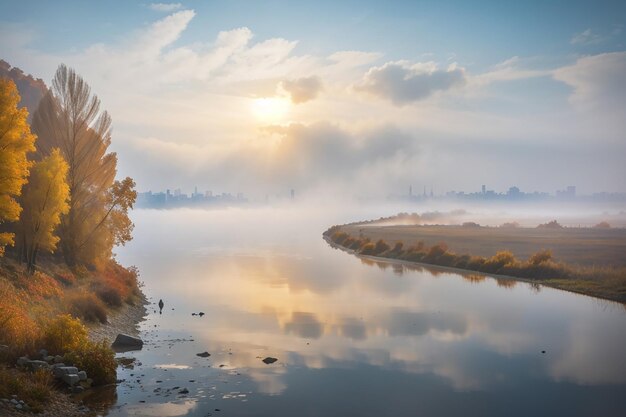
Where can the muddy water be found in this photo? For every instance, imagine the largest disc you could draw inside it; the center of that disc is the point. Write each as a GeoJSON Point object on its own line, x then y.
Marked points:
{"type": "Point", "coordinates": [351, 338]}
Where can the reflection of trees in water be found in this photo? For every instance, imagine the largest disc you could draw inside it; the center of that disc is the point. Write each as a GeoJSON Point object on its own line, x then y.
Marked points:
{"type": "Point", "coordinates": [474, 278]}
{"type": "Point", "coordinates": [398, 269]}
{"type": "Point", "coordinates": [506, 283]}
{"type": "Point", "coordinates": [536, 288]}
{"type": "Point", "coordinates": [99, 399]}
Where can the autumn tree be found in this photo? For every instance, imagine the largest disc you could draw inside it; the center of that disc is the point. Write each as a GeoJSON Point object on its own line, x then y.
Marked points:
{"type": "Point", "coordinates": [44, 200]}
{"type": "Point", "coordinates": [69, 118]}
{"type": "Point", "coordinates": [16, 141]}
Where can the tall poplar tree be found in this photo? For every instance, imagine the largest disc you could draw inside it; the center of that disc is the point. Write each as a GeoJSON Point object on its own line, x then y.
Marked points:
{"type": "Point", "coordinates": [16, 141]}
{"type": "Point", "coordinates": [69, 118]}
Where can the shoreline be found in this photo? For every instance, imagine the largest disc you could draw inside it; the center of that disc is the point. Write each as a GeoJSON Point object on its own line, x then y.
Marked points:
{"type": "Point", "coordinates": [442, 268]}
{"type": "Point", "coordinates": [124, 320]}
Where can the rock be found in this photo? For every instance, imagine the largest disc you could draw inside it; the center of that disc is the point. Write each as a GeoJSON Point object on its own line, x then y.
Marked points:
{"type": "Point", "coordinates": [126, 340]}
{"type": "Point", "coordinates": [3, 348]}
{"type": "Point", "coordinates": [77, 389]}
{"type": "Point", "coordinates": [22, 361]}
{"type": "Point", "coordinates": [201, 314]}
{"type": "Point", "coordinates": [70, 379]}
{"type": "Point", "coordinates": [184, 391]}
{"type": "Point", "coordinates": [34, 365]}
{"type": "Point", "coordinates": [269, 360]}
{"type": "Point", "coordinates": [14, 401]}
{"type": "Point", "coordinates": [19, 406]}
{"type": "Point", "coordinates": [49, 359]}
{"type": "Point", "coordinates": [58, 359]}
{"type": "Point", "coordinates": [82, 375]}
{"type": "Point", "coordinates": [203, 354]}
{"type": "Point", "coordinates": [59, 371]}
{"type": "Point", "coordinates": [43, 353]}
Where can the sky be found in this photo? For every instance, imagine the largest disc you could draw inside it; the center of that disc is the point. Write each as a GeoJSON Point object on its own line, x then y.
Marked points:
{"type": "Point", "coordinates": [357, 98]}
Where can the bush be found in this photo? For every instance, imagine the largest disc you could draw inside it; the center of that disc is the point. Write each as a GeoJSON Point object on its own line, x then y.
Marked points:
{"type": "Point", "coordinates": [380, 247]}
{"type": "Point", "coordinates": [64, 333]}
{"type": "Point", "coordinates": [339, 237]}
{"type": "Point", "coordinates": [65, 278]}
{"type": "Point", "coordinates": [539, 257]}
{"type": "Point", "coordinates": [509, 225]}
{"type": "Point", "coordinates": [348, 242]}
{"type": "Point", "coordinates": [18, 330]}
{"type": "Point", "coordinates": [496, 262]}
{"type": "Point", "coordinates": [435, 252]}
{"type": "Point", "coordinates": [88, 307]}
{"type": "Point", "coordinates": [368, 249]}
{"type": "Point", "coordinates": [110, 295]}
{"type": "Point", "coordinates": [97, 359]}
{"type": "Point", "coordinates": [476, 263]}
{"type": "Point", "coordinates": [446, 259]}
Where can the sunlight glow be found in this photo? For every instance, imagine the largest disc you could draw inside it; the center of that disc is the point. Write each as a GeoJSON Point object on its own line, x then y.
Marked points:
{"type": "Point", "coordinates": [270, 109]}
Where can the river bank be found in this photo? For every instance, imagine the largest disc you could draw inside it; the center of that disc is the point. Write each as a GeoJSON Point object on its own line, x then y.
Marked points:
{"type": "Point", "coordinates": [605, 279]}
{"type": "Point", "coordinates": [34, 310]}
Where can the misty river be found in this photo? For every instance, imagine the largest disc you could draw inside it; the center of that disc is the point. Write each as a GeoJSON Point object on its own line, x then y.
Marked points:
{"type": "Point", "coordinates": [352, 337]}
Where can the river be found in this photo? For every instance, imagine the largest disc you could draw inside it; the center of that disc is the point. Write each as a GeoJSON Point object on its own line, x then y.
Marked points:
{"type": "Point", "coordinates": [351, 337]}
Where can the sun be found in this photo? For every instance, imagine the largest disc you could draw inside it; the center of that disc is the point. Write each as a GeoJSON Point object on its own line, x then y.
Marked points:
{"type": "Point", "coordinates": [270, 109]}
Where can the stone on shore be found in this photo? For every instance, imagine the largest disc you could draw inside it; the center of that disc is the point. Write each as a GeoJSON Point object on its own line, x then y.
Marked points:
{"type": "Point", "coordinates": [70, 379]}
{"type": "Point", "coordinates": [269, 360]}
{"type": "Point", "coordinates": [124, 340]}
{"type": "Point", "coordinates": [59, 371]}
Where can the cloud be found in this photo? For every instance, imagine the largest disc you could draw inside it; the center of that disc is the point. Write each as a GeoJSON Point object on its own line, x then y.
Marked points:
{"type": "Point", "coordinates": [302, 90]}
{"type": "Point", "coordinates": [586, 37]}
{"type": "Point", "coordinates": [165, 7]}
{"type": "Point", "coordinates": [402, 82]}
{"type": "Point", "coordinates": [598, 81]}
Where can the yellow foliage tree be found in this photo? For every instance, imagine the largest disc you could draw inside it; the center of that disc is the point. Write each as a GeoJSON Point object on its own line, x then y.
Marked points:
{"type": "Point", "coordinates": [44, 201]}
{"type": "Point", "coordinates": [69, 118]}
{"type": "Point", "coordinates": [16, 140]}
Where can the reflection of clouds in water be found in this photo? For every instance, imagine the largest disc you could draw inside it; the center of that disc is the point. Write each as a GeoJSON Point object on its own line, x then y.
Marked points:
{"type": "Point", "coordinates": [269, 379]}
{"type": "Point", "coordinates": [172, 366]}
{"type": "Point", "coordinates": [170, 409]}
{"type": "Point", "coordinates": [402, 322]}
{"type": "Point", "coordinates": [353, 329]}
{"type": "Point", "coordinates": [304, 325]}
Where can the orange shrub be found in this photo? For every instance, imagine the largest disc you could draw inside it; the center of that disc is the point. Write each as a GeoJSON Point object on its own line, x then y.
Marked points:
{"type": "Point", "coordinates": [87, 306]}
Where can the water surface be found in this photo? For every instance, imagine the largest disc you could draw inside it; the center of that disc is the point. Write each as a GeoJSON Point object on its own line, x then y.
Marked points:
{"type": "Point", "coordinates": [352, 338]}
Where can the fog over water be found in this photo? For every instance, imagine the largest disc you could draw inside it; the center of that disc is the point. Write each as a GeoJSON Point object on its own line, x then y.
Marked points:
{"type": "Point", "coordinates": [352, 337]}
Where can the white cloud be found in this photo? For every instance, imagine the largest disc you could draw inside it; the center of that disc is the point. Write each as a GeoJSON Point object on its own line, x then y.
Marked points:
{"type": "Point", "coordinates": [402, 82]}
{"type": "Point", "coordinates": [165, 7]}
{"type": "Point", "coordinates": [587, 37]}
{"type": "Point", "coordinates": [303, 89]}
{"type": "Point", "coordinates": [598, 81]}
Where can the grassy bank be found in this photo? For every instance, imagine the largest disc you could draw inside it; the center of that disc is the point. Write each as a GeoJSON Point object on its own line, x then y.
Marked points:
{"type": "Point", "coordinates": [605, 281]}
{"type": "Point", "coordinates": [52, 309]}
